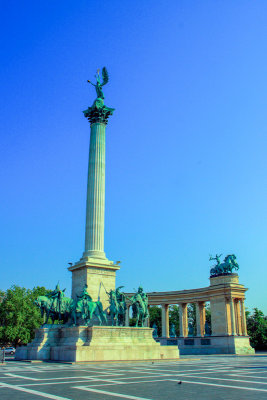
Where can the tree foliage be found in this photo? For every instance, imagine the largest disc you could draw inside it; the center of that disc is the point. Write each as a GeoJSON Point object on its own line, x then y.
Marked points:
{"type": "Point", "coordinates": [19, 317]}
{"type": "Point", "coordinates": [257, 329]}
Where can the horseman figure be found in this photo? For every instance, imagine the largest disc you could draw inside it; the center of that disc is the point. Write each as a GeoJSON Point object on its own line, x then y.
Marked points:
{"type": "Point", "coordinates": [140, 306]}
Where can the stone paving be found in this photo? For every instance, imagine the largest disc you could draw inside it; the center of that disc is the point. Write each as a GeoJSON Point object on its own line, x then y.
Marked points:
{"type": "Point", "coordinates": [203, 377]}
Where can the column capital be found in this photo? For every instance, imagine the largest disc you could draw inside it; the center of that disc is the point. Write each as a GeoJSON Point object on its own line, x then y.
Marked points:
{"type": "Point", "coordinates": [98, 113]}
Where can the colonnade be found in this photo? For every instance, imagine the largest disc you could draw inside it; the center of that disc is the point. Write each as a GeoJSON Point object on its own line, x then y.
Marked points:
{"type": "Point", "coordinates": [235, 318]}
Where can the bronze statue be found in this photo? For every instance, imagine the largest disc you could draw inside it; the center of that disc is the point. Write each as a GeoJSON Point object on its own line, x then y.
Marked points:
{"type": "Point", "coordinates": [140, 306]}
{"type": "Point", "coordinates": [98, 86]}
{"type": "Point", "coordinates": [223, 268]}
{"type": "Point", "coordinates": [117, 306]}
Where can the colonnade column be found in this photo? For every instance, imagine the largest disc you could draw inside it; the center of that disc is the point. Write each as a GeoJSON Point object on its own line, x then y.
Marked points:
{"type": "Point", "coordinates": [183, 323]}
{"type": "Point", "coordinates": [238, 317]}
{"type": "Point", "coordinates": [243, 318]}
{"type": "Point", "coordinates": [148, 320]}
{"type": "Point", "coordinates": [127, 316]}
{"type": "Point", "coordinates": [232, 310]}
{"type": "Point", "coordinates": [200, 318]}
{"type": "Point", "coordinates": [165, 320]}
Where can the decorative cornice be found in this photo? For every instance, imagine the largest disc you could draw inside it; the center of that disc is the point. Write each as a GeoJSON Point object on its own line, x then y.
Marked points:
{"type": "Point", "coordinates": [98, 112]}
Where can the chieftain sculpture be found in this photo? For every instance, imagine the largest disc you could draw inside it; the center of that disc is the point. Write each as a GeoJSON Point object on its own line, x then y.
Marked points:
{"type": "Point", "coordinates": [57, 306]}
{"type": "Point", "coordinates": [223, 268]}
{"type": "Point", "coordinates": [140, 306]}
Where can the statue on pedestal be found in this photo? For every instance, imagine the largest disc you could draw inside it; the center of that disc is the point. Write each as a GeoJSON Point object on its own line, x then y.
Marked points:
{"type": "Point", "coordinates": [172, 331]}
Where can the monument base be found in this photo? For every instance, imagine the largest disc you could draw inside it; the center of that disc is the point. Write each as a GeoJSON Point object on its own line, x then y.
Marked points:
{"type": "Point", "coordinates": [96, 343]}
{"type": "Point", "coordinates": [215, 345]}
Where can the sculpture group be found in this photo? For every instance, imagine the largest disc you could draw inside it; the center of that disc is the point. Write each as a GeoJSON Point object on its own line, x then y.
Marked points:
{"type": "Point", "coordinates": [223, 268]}
{"type": "Point", "coordinates": [81, 311]}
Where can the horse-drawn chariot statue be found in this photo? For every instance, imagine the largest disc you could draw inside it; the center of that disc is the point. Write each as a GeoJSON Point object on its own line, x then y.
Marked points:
{"type": "Point", "coordinates": [223, 268]}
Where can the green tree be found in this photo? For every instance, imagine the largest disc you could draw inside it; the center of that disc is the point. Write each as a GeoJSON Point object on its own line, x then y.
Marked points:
{"type": "Point", "coordinates": [19, 317]}
{"type": "Point", "coordinates": [257, 329]}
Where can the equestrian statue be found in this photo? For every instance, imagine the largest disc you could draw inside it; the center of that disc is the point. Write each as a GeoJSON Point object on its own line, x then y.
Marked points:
{"type": "Point", "coordinates": [139, 306]}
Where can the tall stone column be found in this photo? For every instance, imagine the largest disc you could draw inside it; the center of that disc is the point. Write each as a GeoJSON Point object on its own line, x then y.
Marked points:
{"type": "Point", "coordinates": [95, 204]}
{"type": "Point", "coordinates": [94, 269]}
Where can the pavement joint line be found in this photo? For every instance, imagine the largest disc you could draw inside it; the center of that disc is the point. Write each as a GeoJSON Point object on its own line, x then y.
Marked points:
{"type": "Point", "coordinates": [225, 379]}
{"type": "Point", "coordinates": [30, 391]}
{"type": "Point", "coordinates": [129, 383]}
{"type": "Point", "coordinates": [55, 383]}
{"type": "Point", "coordinates": [223, 386]}
{"type": "Point", "coordinates": [248, 376]}
{"type": "Point", "coordinates": [124, 396]}
{"type": "Point", "coordinates": [23, 377]}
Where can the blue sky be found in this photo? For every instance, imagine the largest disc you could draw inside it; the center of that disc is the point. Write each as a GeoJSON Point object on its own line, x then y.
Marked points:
{"type": "Point", "coordinates": [185, 149]}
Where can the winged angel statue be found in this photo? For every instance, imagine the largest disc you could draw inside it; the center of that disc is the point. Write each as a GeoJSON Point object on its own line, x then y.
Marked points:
{"type": "Point", "coordinates": [98, 86]}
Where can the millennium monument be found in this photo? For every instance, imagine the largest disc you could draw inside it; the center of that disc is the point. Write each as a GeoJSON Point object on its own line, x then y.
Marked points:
{"type": "Point", "coordinates": [94, 322]}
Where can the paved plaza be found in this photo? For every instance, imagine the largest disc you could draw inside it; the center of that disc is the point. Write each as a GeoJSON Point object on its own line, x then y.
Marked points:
{"type": "Point", "coordinates": [203, 377]}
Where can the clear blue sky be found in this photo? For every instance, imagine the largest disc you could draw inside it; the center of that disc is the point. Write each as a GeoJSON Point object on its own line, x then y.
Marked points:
{"type": "Point", "coordinates": [186, 148]}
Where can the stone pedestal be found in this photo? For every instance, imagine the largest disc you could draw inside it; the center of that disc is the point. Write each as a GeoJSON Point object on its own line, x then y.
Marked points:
{"type": "Point", "coordinates": [96, 343]}
{"type": "Point", "coordinates": [99, 275]}
{"type": "Point", "coordinates": [215, 345]}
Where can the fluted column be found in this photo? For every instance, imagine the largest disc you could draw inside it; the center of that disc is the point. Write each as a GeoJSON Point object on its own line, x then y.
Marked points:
{"type": "Point", "coordinates": [232, 310]}
{"type": "Point", "coordinates": [238, 317]}
{"type": "Point", "coordinates": [243, 318]}
{"type": "Point", "coordinates": [183, 320]}
{"type": "Point", "coordinates": [200, 318]}
{"type": "Point", "coordinates": [95, 205]}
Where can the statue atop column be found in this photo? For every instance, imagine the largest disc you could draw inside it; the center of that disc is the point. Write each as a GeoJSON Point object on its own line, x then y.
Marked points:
{"type": "Point", "coordinates": [98, 86]}
{"type": "Point", "coordinates": [99, 112]}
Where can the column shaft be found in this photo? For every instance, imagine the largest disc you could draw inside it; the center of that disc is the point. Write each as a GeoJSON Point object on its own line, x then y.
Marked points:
{"type": "Point", "coordinates": [244, 319]}
{"type": "Point", "coordinates": [238, 317]}
{"type": "Point", "coordinates": [165, 320]}
{"type": "Point", "coordinates": [200, 317]}
{"type": "Point", "coordinates": [181, 327]}
{"type": "Point", "coordinates": [95, 205]}
{"type": "Point", "coordinates": [183, 320]}
{"type": "Point", "coordinates": [233, 318]}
